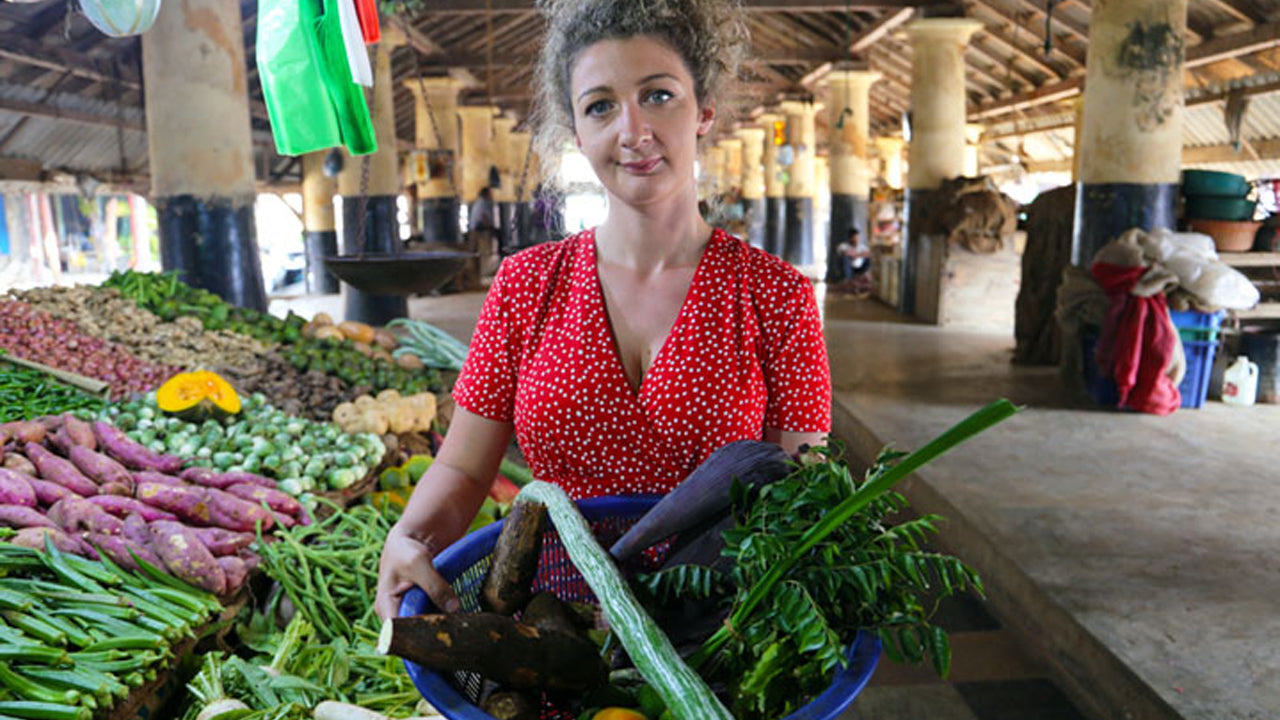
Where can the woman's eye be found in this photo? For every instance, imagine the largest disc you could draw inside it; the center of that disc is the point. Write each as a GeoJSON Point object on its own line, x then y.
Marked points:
{"type": "Point", "coordinates": [597, 108]}
{"type": "Point", "coordinates": [660, 97]}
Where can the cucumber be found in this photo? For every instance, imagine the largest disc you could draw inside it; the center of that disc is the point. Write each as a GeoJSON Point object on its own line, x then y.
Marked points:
{"type": "Point", "coordinates": [683, 690]}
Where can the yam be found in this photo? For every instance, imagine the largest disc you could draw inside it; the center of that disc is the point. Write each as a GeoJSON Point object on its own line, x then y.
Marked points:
{"type": "Point", "coordinates": [187, 502]}
{"type": "Point", "coordinates": [99, 467]}
{"type": "Point", "coordinates": [513, 654]}
{"type": "Point", "coordinates": [116, 489]}
{"type": "Point", "coordinates": [230, 512]}
{"type": "Point", "coordinates": [507, 586]}
{"type": "Point", "coordinates": [222, 542]}
{"type": "Point", "coordinates": [549, 613]}
{"type": "Point", "coordinates": [75, 515]}
{"type": "Point", "coordinates": [152, 476]}
{"type": "Point", "coordinates": [34, 537]}
{"type": "Point", "coordinates": [24, 431]}
{"type": "Point", "coordinates": [80, 431]}
{"type": "Point", "coordinates": [15, 489]}
{"type": "Point", "coordinates": [134, 529]}
{"type": "Point", "coordinates": [48, 493]}
{"type": "Point", "coordinates": [20, 464]}
{"type": "Point", "coordinates": [186, 557]}
{"type": "Point", "coordinates": [238, 477]}
{"type": "Point", "coordinates": [276, 500]}
{"type": "Point", "coordinates": [207, 477]}
{"type": "Point", "coordinates": [138, 457]}
{"type": "Point", "coordinates": [122, 507]}
{"type": "Point", "coordinates": [235, 571]}
{"type": "Point", "coordinates": [121, 550]}
{"type": "Point", "coordinates": [21, 516]}
{"type": "Point", "coordinates": [59, 470]}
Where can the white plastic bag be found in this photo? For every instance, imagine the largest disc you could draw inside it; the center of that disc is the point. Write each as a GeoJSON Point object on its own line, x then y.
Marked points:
{"type": "Point", "coordinates": [1221, 286]}
{"type": "Point", "coordinates": [353, 38]}
{"type": "Point", "coordinates": [121, 18]}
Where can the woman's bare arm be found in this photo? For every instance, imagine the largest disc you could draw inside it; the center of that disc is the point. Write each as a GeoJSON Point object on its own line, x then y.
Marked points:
{"type": "Point", "coordinates": [791, 441]}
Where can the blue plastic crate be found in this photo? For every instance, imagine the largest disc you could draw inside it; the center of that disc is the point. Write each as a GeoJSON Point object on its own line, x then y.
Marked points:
{"type": "Point", "coordinates": [1194, 387]}
{"type": "Point", "coordinates": [1193, 319]}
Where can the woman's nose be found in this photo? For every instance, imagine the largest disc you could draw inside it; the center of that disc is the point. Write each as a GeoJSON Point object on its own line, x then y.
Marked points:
{"type": "Point", "coordinates": [634, 128]}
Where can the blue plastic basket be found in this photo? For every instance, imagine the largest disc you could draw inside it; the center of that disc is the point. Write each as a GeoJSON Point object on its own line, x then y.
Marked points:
{"type": "Point", "coordinates": [465, 563]}
{"type": "Point", "coordinates": [1194, 387]}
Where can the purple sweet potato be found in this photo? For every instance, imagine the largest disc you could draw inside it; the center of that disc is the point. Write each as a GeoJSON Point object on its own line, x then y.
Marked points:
{"type": "Point", "coordinates": [99, 467]}
{"type": "Point", "coordinates": [118, 547]}
{"type": "Point", "coordinates": [24, 431]}
{"type": "Point", "coordinates": [135, 530]}
{"type": "Point", "coordinates": [230, 512]}
{"type": "Point", "coordinates": [251, 559]}
{"type": "Point", "coordinates": [237, 477]}
{"type": "Point", "coordinates": [15, 489]}
{"type": "Point", "coordinates": [48, 493]}
{"type": "Point", "coordinates": [60, 441]}
{"type": "Point", "coordinates": [116, 489]}
{"type": "Point", "coordinates": [152, 476]}
{"type": "Point", "coordinates": [235, 571]}
{"type": "Point", "coordinates": [33, 537]}
{"type": "Point", "coordinates": [59, 470]}
{"type": "Point", "coordinates": [75, 515]}
{"type": "Point", "coordinates": [122, 507]}
{"type": "Point", "coordinates": [80, 431]}
{"type": "Point", "coordinates": [223, 542]}
{"type": "Point", "coordinates": [50, 422]}
{"type": "Point", "coordinates": [207, 477]}
{"type": "Point", "coordinates": [186, 501]}
{"type": "Point", "coordinates": [131, 454]}
{"type": "Point", "coordinates": [21, 516]}
{"type": "Point", "coordinates": [13, 461]}
{"type": "Point", "coordinates": [274, 499]}
{"type": "Point", "coordinates": [186, 557]}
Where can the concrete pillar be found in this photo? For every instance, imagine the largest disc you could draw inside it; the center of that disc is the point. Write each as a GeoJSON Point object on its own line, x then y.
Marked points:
{"type": "Point", "coordinates": [849, 122]}
{"type": "Point", "coordinates": [890, 151]}
{"type": "Point", "coordinates": [436, 135]}
{"type": "Point", "coordinates": [369, 185]}
{"type": "Point", "coordinates": [200, 149]}
{"type": "Point", "coordinates": [505, 194]}
{"type": "Point", "coordinates": [937, 129]}
{"type": "Point", "coordinates": [732, 147]}
{"type": "Point", "coordinates": [821, 217]}
{"type": "Point", "coordinates": [526, 175]}
{"type": "Point", "coordinates": [319, 235]}
{"type": "Point", "coordinates": [973, 149]}
{"type": "Point", "coordinates": [775, 190]}
{"type": "Point", "coordinates": [713, 173]}
{"type": "Point", "coordinates": [475, 124]}
{"type": "Point", "coordinates": [753, 141]}
{"type": "Point", "coordinates": [802, 137]}
{"type": "Point", "coordinates": [1077, 105]}
{"type": "Point", "coordinates": [1131, 139]}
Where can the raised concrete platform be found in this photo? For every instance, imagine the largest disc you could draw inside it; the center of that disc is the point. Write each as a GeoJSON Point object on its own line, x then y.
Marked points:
{"type": "Point", "coordinates": [1135, 554]}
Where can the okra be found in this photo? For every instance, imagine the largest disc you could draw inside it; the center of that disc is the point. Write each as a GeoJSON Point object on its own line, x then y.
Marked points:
{"type": "Point", "coordinates": [156, 607]}
{"type": "Point", "coordinates": [12, 600]}
{"type": "Point", "coordinates": [14, 653]}
{"type": "Point", "coordinates": [35, 627]}
{"type": "Point", "coordinates": [29, 689]}
{"type": "Point", "coordinates": [128, 642]}
{"type": "Point", "coordinates": [116, 612]}
{"type": "Point", "coordinates": [94, 569]}
{"type": "Point", "coordinates": [60, 565]}
{"type": "Point", "coordinates": [108, 624]}
{"type": "Point", "coordinates": [86, 680]}
{"type": "Point", "coordinates": [43, 711]}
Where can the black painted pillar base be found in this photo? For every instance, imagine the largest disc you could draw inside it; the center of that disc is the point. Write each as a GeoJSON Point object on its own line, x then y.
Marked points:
{"type": "Point", "coordinates": [775, 225]}
{"type": "Point", "coordinates": [1105, 210]}
{"type": "Point", "coordinates": [508, 230]}
{"type": "Point", "coordinates": [438, 218]}
{"type": "Point", "coordinates": [754, 211]}
{"type": "Point", "coordinates": [213, 244]}
{"type": "Point", "coordinates": [381, 237]}
{"type": "Point", "coordinates": [321, 244]}
{"type": "Point", "coordinates": [919, 205]}
{"type": "Point", "coordinates": [847, 212]}
{"type": "Point", "coordinates": [797, 247]}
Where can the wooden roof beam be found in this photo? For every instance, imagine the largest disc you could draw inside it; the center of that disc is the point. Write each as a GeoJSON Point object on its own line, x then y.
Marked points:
{"type": "Point", "coordinates": [870, 35]}
{"type": "Point", "coordinates": [480, 7]}
{"type": "Point", "coordinates": [1022, 22]}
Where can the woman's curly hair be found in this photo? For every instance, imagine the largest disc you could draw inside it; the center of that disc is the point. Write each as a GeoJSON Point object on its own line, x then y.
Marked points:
{"type": "Point", "coordinates": [710, 36]}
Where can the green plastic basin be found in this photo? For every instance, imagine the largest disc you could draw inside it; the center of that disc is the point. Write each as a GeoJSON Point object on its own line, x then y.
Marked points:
{"type": "Point", "coordinates": [1208, 207]}
{"type": "Point", "coordinates": [1214, 183]}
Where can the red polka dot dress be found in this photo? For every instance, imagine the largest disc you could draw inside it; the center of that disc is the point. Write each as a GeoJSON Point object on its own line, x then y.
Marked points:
{"type": "Point", "coordinates": [746, 352]}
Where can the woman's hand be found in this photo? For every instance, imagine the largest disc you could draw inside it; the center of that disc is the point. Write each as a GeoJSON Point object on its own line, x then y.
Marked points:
{"type": "Point", "coordinates": [407, 561]}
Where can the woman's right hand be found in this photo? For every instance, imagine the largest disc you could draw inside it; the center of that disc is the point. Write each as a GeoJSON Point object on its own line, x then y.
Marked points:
{"type": "Point", "coordinates": [407, 561]}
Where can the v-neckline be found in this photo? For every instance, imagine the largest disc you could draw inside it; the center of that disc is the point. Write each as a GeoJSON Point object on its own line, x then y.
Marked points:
{"type": "Point", "coordinates": [620, 367]}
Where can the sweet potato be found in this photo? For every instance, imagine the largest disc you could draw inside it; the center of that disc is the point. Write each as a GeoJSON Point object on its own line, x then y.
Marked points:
{"type": "Point", "coordinates": [152, 476]}
{"type": "Point", "coordinates": [50, 422]}
{"type": "Point", "coordinates": [131, 454]}
{"type": "Point", "coordinates": [59, 440]}
{"type": "Point", "coordinates": [230, 512]}
{"type": "Point", "coordinates": [48, 493]}
{"type": "Point", "coordinates": [24, 431]}
{"type": "Point", "coordinates": [118, 547]}
{"type": "Point", "coordinates": [186, 557]}
{"type": "Point", "coordinates": [235, 571]}
{"type": "Point", "coordinates": [15, 489]}
{"type": "Point", "coordinates": [59, 470]}
{"type": "Point", "coordinates": [13, 461]}
{"type": "Point", "coordinates": [75, 515]}
{"type": "Point", "coordinates": [80, 431]}
{"type": "Point", "coordinates": [33, 537]}
{"type": "Point", "coordinates": [134, 529]}
{"type": "Point", "coordinates": [185, 501]}
{"type": "Point", "coordinates": [221, 541]}
{"type": "Point", "coordinates": [122, 507]}
{"type": "Point", "coordinates": [207, 477]}
{"type": "Point", "coordinates": [99, 467]}
{"type": "Point", "coordinates": [116, 489]}
{"type": "Point", "coordinates": [21, 516]}
{"type": "Point", "coordinates": [274, 499]}
{"type": "Point", "coordinates": [237, 477]}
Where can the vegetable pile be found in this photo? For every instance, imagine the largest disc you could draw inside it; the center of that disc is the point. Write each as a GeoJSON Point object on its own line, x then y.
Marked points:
{"type": "Point", "coordinates": [28, 393]}
{"type": "Point", "coordinates": [91, 491]}
{"type": "Point", "coordinates": [388, 412]}
{"type": "Point", "coordinates": [430, 345]}
{"type": "Point", "coordinates": [304, 456]}
{"type": "Point", "coordinates": [41, 338]}
{"type": "Point", "coordinates": [76, 637]}
{"type": "Point", "coordinates": [312, 395]}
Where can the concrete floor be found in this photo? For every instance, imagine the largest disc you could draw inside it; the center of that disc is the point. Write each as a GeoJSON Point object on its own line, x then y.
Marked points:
{"type": "Point", "coordinates": [1131, 557]}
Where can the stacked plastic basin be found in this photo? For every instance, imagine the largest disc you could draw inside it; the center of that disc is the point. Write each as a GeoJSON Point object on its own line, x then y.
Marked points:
{"type": "Point", "coordinates": [1199, 334]}
{"type": "Point", "coordinates": [1217, 204]}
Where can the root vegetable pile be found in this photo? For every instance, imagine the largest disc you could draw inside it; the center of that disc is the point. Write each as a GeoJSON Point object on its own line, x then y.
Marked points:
{"type": "Point", "coordinates": [42, 338]}
{"type": "Point", "coordinates": [312, 395]}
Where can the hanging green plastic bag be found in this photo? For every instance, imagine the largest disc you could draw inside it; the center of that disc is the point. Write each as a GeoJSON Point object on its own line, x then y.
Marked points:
{"type": "Point", "coordinates": [302, 114]}
{"type": "Point", "coordinates": [348, 98]}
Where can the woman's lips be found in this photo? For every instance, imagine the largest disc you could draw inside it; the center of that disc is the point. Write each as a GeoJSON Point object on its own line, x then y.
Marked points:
{"type": "Point", "coordinates": [643, 167]}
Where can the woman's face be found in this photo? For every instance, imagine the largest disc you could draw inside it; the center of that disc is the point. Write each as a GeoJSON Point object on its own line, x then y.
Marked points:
{"type": "Point", "coordinates": [636, 118]}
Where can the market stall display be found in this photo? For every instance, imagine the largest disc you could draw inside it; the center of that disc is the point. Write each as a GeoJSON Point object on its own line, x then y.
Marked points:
{"type": "Point", "coordinates": [29, 392]}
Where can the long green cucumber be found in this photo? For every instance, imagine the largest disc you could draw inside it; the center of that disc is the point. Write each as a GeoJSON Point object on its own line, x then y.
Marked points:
{"type": "Point", "coordinates": [684, 691]}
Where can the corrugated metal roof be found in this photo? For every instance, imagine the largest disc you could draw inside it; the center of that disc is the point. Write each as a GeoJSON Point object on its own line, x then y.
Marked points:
{"type": "Point", "coordinates": [68, 145]}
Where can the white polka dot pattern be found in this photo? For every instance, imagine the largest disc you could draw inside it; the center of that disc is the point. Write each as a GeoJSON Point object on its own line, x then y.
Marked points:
{"type": "Point", "coordinates": [746, 352]}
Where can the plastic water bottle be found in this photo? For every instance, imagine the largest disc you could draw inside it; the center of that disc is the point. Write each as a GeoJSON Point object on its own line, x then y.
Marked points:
{"type": "Point", "coordinates": [1240, 382]}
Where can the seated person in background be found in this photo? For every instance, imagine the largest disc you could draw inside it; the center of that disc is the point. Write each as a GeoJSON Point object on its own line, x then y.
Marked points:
{"type": "Point", "coordinates": [855, 264]}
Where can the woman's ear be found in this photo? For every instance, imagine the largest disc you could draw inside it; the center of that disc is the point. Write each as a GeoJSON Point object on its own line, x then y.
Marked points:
{"type": "Point", "coordinates": [706, 118]}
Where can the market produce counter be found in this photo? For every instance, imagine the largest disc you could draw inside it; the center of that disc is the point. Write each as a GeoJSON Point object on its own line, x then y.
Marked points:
{"type": "Point", "coordinates": [1131, 551]}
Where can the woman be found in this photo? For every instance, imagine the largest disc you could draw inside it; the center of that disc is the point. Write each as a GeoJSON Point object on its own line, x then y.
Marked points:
{"type": "Point", "coordinates": [622, 356]}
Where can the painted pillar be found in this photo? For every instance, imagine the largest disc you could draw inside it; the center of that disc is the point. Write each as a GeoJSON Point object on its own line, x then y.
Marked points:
{"type": "Point", "coordinates": [504, 196]}
{"type": "Point", "coordinates": [775, 190]}
{"type": "Point", "coordinates": [973, 149]}
{"type": "Point", "coordinates": [849, 122]}
{"type": "Point", "coordinates": [713, 174]}
{"type": "Point", "coordinates": [526, 176]}
{"type": "Point", "coordinates": [436, 171]}
{"type": "Point", "coordinates": [200, 149]}
{"type": "Point", "coordinates": [890, 151]}
{"type": "Point", "coordinates": [753, 204]}
{"type": "Point", "coordinates": [1131, 140]}
{"type": "Point", "coordinates": [369, 185]}
{"type": "Point", "coordinates": [798, 240]}
{"type": "Point", "coordinates": [936, 152]}
{"type": "Point", "coordinates": [1077, 106]}
{"type": "Point", "coordinates": [319, 235]}
{"type": "Point", "coordinates": [821, 216]}
{"type": "Point", "coordinates": [475, 126]}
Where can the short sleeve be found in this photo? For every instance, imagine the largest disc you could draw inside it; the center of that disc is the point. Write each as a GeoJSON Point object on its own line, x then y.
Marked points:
{"type": "Point", "coordinates": [797, 376]}
{"type": "Point", "coordinates": [486, 385]}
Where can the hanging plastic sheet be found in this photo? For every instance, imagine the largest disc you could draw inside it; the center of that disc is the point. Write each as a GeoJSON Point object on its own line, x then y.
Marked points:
{"type": "Point", "coordinates": [121, 18]}
{"type": "Point", "coordinates": [367, 11]}
{"type": "Point", "coordinates": [348, 97]}
{"type": "Point", "coordinates": [353, 41]}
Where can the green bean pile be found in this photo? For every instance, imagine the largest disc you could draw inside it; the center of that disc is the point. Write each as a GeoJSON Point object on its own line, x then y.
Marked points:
{"type": "Point", "coordinates": [27, 393]}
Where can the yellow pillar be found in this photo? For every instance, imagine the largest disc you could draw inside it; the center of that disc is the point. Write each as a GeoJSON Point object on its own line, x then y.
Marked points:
{"type": "Point", "coordinates": [890, 151]}
{"type": "Point", "coordinates": [937, 99]}
{"type": "Point", "coordinates": [713, 175]}
{"type": "Point", "coordinates": [732, 147]}
{"type": "Point", "coordinates": [502, 158]}
{"type": "Point", "coordinates": [775, 190]}
{"type": "Point", "coordinates": [435, 160]}
{"type": "Point", "coordinates": [802, 137]}
{"type": "Point", "coordinates": [1077, 107]}
{"type": "Point", "coordinates": [526, 173]}
{"type": "Point", "coordinates": [973, 149]}
{"type": "Point", "coordinates": [849, 125]}
{"type": "Point", "coordinates": [476, 135]}
{"type": "Point", "coordinates": [753, 139]}
{"type": "Point", "coordinates": [318, 225]}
